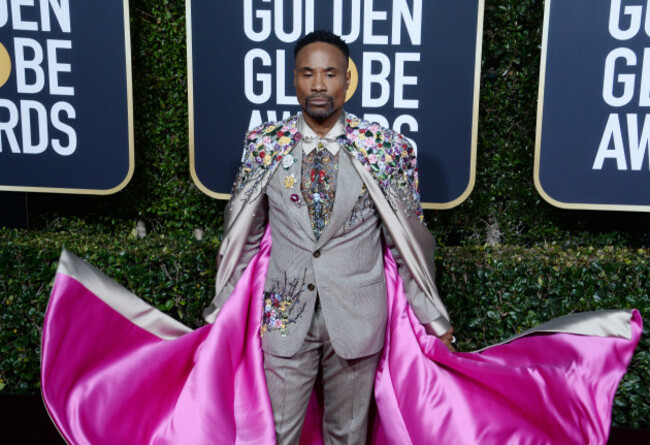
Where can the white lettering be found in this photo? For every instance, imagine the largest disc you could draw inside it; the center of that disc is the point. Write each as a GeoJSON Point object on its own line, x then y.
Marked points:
{"type": "Point", "coordinates": [370, 16]}
{"type": "Point", "coordinates": [55, 112]}
{"type": "Point", "coordinates": [279, 21]}
{"type": "Point", "coordinates": [4, 13]}
{"type": "Point", "coordinates": [23, 65]}
{"type": "Point", "coordinates": [309, 16]}
{"type": "Point", "coordinates": [9, 126]}
{"type": "Point", "coordinates": [61, 10]}
{"type": "Point", "coordinates": [627, 80]}
{"type": "Point", "coordinates": [256, 121]}
{"type": "Point", "coordinates": [54, 68]}
{"type": "Point", "coordinates": [614, 134]}
{"type": "Point", "coordinates": [26, 108]}
{"type": "Point", "coordinates": [402, 80]}
{"type": "Point", "coordinates": [355, 20]}
{"type": "Point", "coordinates": [412, 21]}
{"type": "Point", "coordinates": [634, 12]}
{"type": "Point", "coordinates": [638, 144]}
{"type": "Point", "coordinates": [263, 78]}
{"type": "Point", "coordinates": [644, 93]}
{"type": "Point", "coordinates": [16, 16]}
{"type": "Point", "coordinates": [381, 79]}
{"type": "Point", "coordinates": [281, 97]}
{"type": "Point", "coordinates": [264, 16]}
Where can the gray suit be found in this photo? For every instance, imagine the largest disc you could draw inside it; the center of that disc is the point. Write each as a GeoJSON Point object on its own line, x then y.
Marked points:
{"type": "Point", "coordinates": [345, 265]}
{"type": "Point", "coordinates": [343, 270]}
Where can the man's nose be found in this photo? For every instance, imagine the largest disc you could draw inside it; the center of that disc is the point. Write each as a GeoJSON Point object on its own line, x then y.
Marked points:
{"type": "Point", "coordinates": [318, 84]}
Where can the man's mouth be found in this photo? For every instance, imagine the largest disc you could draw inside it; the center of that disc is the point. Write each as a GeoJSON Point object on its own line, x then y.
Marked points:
{"type": "Point", "coordinates": [319, 101]}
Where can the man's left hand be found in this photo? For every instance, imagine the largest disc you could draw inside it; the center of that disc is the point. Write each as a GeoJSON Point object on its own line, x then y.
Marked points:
{"type": "Point", "coordinates": [447, 338]}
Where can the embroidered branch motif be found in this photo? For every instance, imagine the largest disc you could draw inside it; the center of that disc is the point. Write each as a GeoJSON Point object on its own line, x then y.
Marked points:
{"type": "Point", "coordinates": [360, 210]}
{"type": "Point", "coordinates": [282, 305]}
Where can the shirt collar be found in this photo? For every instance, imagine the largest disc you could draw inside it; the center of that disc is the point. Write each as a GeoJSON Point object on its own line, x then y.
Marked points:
{"type": "Point", "coordinates": [310, 140]}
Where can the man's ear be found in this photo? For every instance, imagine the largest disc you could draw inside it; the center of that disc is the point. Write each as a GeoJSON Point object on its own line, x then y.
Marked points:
{"type": "Point", "coordinates": [295, 77]}
{"type": "Point", "coordinates": [348, 76]}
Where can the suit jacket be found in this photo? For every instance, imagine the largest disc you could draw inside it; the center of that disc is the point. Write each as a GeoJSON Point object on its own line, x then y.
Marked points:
{"type": "Point", "coordinates": [377, 167]}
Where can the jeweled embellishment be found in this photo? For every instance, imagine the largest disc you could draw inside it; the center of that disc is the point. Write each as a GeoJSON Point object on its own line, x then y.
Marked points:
{"type": "Point", "coordinates": [295, 198]}
{"type": "Point", "coordinates": [389, 157]}
{"type": "Point", "coordinates": [289, 181]}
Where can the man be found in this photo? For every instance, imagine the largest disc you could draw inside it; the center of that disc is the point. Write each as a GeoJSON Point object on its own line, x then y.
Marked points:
{"type": "Point", "coordinates": [333, 188]}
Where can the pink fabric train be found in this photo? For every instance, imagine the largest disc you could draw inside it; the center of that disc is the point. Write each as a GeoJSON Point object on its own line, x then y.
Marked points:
{"type": "Point", "coordinates": [135, 376]}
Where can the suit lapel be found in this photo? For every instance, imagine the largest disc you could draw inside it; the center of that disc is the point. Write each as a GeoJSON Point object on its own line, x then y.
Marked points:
{"type": "Point", "coordinates": [297, 210]}
{"type": "Point", "coordinates": [348, 189]}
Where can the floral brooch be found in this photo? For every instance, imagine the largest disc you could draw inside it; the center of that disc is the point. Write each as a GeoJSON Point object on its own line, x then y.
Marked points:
{"type": "Point", "coordinates": [287, 161]}
{"type": "Point", "coordinates": [289, 181]}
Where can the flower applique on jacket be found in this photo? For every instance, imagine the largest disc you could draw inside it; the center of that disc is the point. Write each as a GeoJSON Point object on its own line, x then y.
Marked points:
{"type": "Point", "coordinates": [265, 146]}
{"type": "Point", "coordinates": [282, 305]}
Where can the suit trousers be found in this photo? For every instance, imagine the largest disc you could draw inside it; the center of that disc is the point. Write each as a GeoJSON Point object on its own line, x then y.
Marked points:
{"type": "Point", "coordinates": [347, 388]}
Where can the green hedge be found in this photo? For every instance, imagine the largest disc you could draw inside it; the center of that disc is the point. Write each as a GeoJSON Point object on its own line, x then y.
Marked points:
{"type": "Point", "coordinates": [492, 293]}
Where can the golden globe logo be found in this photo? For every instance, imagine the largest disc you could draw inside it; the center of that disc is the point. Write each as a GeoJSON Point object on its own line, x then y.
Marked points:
{"type": "Point", "coordinates": [5, 65]}
{"type": "Point", "coordinates": [354, 79]}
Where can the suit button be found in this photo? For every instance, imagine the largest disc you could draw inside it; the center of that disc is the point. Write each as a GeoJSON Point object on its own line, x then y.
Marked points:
{"type": "Point", "coordinates": [317, 254]}
{"type": "Point", "coordinates": [310, 286]}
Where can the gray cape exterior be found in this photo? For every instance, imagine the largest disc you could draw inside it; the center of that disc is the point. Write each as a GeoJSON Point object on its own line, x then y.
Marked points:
{"type": "Point", "coordinates": [410, 241]}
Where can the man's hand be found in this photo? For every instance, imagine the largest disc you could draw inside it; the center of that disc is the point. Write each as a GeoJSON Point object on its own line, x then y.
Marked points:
{"type": "Point", "coordinates": [447, 338]}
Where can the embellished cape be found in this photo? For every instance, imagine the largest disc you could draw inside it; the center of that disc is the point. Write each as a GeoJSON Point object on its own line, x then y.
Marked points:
{"type": "Point", "coordinates": [386, 163]}
{"type": "Point", "coordinates": [116, 370]}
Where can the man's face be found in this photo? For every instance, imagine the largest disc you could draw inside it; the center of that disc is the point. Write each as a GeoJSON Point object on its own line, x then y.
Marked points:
{"type": "Point", "coordinates": [321, 79]}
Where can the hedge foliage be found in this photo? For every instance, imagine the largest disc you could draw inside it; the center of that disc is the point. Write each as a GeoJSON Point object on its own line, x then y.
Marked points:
{"type": "Point", "coordinates": [492, 293]}
{"type": "Point", "coordinates": [541, 261]}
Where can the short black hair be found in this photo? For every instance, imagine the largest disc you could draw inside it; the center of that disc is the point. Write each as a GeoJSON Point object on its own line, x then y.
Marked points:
{"type": "Point", "coordinates": [322, 36]}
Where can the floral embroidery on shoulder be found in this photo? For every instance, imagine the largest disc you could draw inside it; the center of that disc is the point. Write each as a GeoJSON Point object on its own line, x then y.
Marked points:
{"type": "Point", "coordinates": [389, 157]}
{"type": "Point", "coordinates": [282, 305]}
{"type": "Point", "coordinates": [265, 147]}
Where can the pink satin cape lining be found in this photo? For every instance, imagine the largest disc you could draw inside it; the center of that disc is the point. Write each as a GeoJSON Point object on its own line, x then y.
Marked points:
{"type": "Point", "coordinates": [106, 380]}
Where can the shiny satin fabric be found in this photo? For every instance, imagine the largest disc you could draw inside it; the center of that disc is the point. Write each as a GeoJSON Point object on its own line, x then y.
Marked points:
{"type": "Point", "coordinates": [106, 380]}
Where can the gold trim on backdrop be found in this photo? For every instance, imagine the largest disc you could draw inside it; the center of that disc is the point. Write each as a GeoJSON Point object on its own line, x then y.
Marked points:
{"type": "Point", "coordinates": [475, 113]}
{"type": "Point", "coordinates": [129, 94]}
{"type": "Point", "coordinates": [190, 107]}
{"type": "Point", "coordinates": [425, 205]}
{"type": "Point", "coordinates": [538, 138]}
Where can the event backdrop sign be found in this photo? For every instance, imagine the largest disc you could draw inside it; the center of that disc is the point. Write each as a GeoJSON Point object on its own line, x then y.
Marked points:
{"type": "Point", "coordinates": [415, 68]}
{"type": "Point", "coordinates": [593, 131]}
{"type": "Point", "coordinates": [66, 121]}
